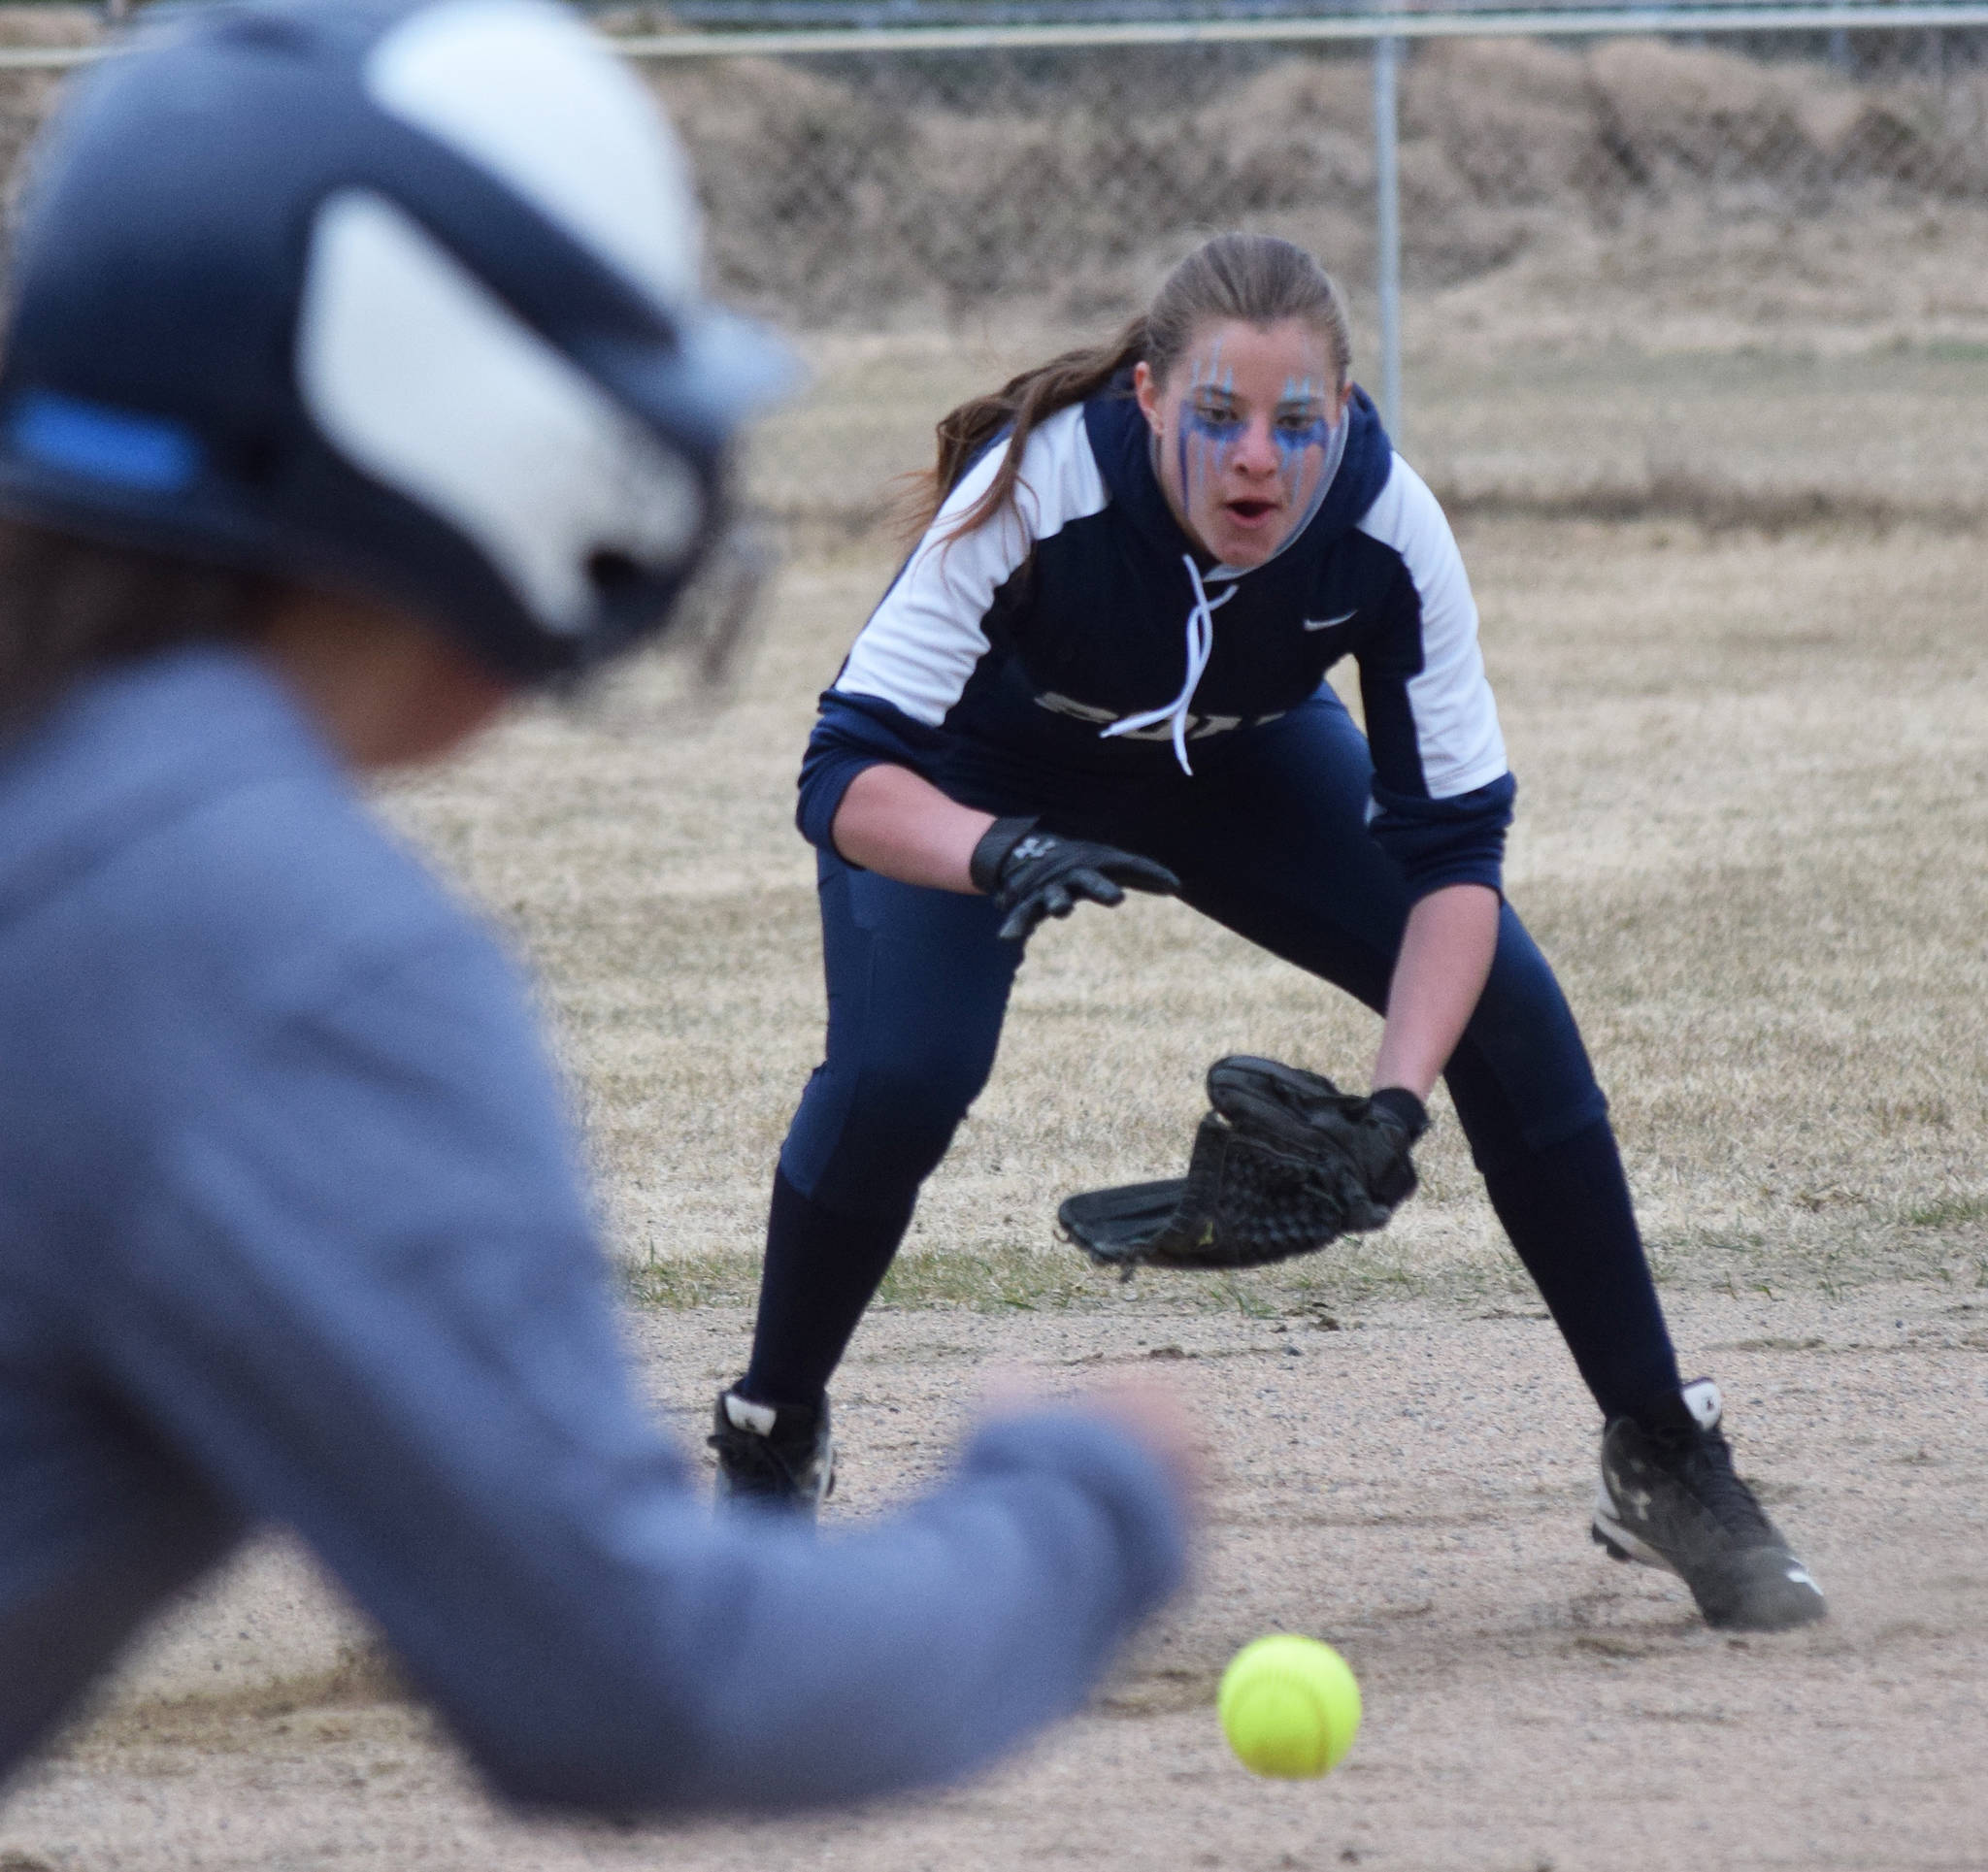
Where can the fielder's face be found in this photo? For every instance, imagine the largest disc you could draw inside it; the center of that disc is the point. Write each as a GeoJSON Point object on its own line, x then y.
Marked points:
{"type": "Point", "coordinates": [1243, 428]}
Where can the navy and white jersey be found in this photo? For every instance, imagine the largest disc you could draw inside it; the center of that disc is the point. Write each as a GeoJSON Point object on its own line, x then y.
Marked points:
{"type": "Point", "coordinates": [1080, 638]}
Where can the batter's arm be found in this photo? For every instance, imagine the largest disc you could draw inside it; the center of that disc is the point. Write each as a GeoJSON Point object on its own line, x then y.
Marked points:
{"type": "Point", "coordinates": [359, 1295]}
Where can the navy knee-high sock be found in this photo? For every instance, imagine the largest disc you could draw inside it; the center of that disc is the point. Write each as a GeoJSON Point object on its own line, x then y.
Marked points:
{"type": "Point", "coordinates": [822, 1270]}
{"type": "Point", "coordinates": [1568, 1212]}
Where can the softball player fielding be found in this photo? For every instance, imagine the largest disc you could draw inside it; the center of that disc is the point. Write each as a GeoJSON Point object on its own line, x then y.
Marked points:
{"type": "Point", "coordinates": [1103, 667]}
{"type": "Point", "coordinates": [357, 376]}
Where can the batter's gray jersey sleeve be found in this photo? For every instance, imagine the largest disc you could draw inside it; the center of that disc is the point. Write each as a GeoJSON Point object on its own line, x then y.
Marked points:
{"type": "Point", "coordinates": [356, 1292]}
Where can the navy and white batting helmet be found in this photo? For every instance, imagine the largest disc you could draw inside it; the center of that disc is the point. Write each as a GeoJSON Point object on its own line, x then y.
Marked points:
{"type": "Point", "coordinates": [399, 298]}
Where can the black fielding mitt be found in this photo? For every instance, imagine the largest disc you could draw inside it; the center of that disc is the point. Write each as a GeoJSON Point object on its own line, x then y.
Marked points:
{"type": "Point", "coordinates": [1283, 1164]}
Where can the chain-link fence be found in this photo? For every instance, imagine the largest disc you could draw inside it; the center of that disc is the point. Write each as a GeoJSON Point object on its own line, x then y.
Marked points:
{"type": "Point", "coordinates": [905, 186]}
{"type": "Point", "coordinates": [1738, 280]}
{"type": "Point", "coordinates": [1637, 268]}
{"type": "Point", "coordinates": [881, 188]}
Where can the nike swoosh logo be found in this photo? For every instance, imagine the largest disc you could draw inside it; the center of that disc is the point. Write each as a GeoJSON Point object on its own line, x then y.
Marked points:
{"type": "Point", "coordinates": [1326, 623]}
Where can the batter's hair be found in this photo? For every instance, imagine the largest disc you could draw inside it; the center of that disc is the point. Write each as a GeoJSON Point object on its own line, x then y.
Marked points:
{"type": "Point", "coordinates": [69, 605]}
{"type": "Point", "coordinates": [1256, 277]}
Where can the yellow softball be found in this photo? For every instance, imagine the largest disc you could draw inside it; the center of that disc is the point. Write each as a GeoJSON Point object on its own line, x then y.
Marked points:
{"type": "Point", "coordinates": [1290, 1706]}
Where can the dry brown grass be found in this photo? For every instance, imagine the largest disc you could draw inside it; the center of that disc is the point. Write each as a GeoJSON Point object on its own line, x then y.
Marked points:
{"type": "Point", "coordinates": [1753, 835]}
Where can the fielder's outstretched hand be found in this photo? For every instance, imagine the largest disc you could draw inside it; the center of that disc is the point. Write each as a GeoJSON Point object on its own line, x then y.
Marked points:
{"type": "Point", "coordinates": [1032, 874]}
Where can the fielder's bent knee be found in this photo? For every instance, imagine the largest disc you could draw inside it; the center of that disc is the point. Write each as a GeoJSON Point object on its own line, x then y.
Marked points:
{"type": "Point", "coordinates": [864, 1141]}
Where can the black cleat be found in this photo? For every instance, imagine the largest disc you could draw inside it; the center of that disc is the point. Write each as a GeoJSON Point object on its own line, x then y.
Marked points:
{"type": "Point", "coordinates": [780, 1457]}
{"type": "Point", "coordinates": [1670, 1498]}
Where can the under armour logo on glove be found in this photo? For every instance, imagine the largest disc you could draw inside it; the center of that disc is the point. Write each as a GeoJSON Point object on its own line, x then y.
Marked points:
{"type": "Point", "coordinates": [1033, 875]}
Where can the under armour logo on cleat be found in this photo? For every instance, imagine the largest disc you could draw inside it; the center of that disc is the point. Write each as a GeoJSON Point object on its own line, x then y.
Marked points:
{"type": "Point", "coordinates": [1637, 1500]}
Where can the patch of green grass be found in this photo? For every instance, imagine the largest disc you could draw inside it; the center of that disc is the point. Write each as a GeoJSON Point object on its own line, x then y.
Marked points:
{"type": "Point", "coordinates": [1951, 350]}
{"type": "Point", "coordinates": [1346, 1275]}
{"type": "Point", "coordinates": [1675, 1253]}
{"type": "Point", "coordinates": [1027, 1280]}
{"type": "Point", "coordinates": [675, 1283]}
{"type": "Point", "coordinates": [1947, 1211]}
{"type": "Point", "coordinates": [1248, 1299]}
{"type": "Point", "coordinates": [1004, 1280]}
{"type": "Point", "coordinates": [1851, 1250]}
{"type": "Point", "coordinates": [1351, 1274]}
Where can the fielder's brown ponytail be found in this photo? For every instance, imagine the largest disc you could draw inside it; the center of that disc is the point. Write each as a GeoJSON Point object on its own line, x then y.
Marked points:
{"type": "Point", "coordinates": [1256, 277]}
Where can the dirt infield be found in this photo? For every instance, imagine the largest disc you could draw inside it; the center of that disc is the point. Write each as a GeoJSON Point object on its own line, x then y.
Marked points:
{"type": "Point", "coordinates": [1410, 1484]}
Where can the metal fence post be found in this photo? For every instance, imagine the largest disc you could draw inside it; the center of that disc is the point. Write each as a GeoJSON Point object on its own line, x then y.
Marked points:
{"type": "Point", "coordinates": [1387, 207]}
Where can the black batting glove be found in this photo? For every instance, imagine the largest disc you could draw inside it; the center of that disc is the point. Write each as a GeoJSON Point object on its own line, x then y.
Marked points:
{"type": "Point", "coordinates": [1032, 874]}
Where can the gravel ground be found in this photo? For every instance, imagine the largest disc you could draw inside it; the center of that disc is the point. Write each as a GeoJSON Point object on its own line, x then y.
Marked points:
{"type": "Point", "coordinates": [1408, 1482]}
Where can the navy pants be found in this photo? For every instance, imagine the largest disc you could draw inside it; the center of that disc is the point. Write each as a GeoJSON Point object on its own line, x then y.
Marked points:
{"type": "Point", "coordinates": [1268, 838]}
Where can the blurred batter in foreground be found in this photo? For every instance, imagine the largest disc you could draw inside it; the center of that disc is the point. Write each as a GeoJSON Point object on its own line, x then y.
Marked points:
{"type": "Point", "coordinates": [359, 378]}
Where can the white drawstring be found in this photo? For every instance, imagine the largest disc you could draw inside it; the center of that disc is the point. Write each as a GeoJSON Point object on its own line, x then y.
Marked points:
{"type": "Point", "coordinates": [1200, 645]}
